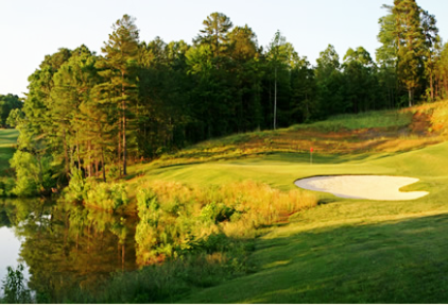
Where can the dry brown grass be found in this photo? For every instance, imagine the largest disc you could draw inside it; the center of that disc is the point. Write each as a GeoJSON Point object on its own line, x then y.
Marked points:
{"type": "Point", "coordinates": [427, 124]}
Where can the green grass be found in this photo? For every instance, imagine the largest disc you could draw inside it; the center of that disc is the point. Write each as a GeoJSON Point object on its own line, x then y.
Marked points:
{"type": "Point", "coordinates": [8, 138]}
{"type": "Point", "coordinates": [349, 251]}
{"type": "Point", "coordinates": [371, 119]}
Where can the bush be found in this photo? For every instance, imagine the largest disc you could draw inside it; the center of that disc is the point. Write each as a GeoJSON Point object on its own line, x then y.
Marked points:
{"type": "Point", "coordinates": [6, 187]}
{"type": "Point", "coordinates": [77, 188]}
{"type": "Point", "coordinates": [34, 175]}
{"type": "Point", "coordinates": [216, 212]}
{"type": "Point", "coordinates": [106, 196]}
{"type": "Point", "coordinates": [113, 173]}
{"type": "Point", "coordinates": [176, 220]}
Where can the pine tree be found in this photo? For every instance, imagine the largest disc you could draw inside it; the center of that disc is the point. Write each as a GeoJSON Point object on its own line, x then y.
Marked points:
{"type": "Point", "coordinates": [217, 25]}
{"type": "Point", "coordinates": [431, 47]}
{"type": "Point", "coordinates": [121, 51]}
{"type": "Point", "coordinates": [410, 42]}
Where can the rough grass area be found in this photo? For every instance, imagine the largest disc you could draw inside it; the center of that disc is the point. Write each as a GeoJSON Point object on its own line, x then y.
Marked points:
{"type": "Point", "coordinates": [372, 132]}
{"type": "Point", "coordinates": [343, 251]}
{"type": "Point", "coordinates": [371, 119]}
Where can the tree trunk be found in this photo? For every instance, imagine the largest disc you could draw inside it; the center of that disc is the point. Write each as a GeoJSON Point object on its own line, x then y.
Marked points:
{"type": "Point", "coordinates": [67, 163]}
{"type": "Point", "coordinates": [119, 145]}
{"type": "Point", "coordinates": [431, 83]}
{"type": "Point", "coordinates": [275, 99]}
{"type": "Point", "coordinates": [122, 256]}
{"type": "Point", "coordinates": [410, 92]}
{"type": "Point", "coordinates": [103, 165]}
{"type": "Point", "coordinates": [123, 106]}
{"type": "Point", "coordinates": [79, 158]}
{"type": "Point", "coordinates": [89, 166]}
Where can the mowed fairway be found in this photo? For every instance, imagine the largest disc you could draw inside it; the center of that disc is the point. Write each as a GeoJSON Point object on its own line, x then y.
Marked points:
{"type": "Point", "coordinates": [8, 137]}
{"type": "Point", "coordinates": [345, 250]}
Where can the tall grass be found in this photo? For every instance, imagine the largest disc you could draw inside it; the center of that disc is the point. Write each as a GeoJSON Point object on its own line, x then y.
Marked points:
{"type": "Point", "coordinates": [175, 218]}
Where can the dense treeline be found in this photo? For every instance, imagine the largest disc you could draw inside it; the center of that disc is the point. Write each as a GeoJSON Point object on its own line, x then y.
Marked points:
{"type": "Point", "coordinates": [141, 99]}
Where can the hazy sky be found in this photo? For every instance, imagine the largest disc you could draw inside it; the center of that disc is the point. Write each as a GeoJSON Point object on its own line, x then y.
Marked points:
{"type": "Point", "coordinates": [31, 29]}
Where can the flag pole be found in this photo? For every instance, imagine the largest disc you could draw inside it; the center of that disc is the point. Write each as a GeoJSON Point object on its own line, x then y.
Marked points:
{"type": "Point", "coordinates": [311, 155]}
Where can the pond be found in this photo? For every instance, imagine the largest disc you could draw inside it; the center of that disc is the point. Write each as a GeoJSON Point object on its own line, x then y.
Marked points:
{"type": "Point", "coordinates": [63, 245]}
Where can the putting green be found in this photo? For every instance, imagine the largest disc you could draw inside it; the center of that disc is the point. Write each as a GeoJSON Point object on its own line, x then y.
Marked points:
{"type": "Point", "coordinates": [362, 186]}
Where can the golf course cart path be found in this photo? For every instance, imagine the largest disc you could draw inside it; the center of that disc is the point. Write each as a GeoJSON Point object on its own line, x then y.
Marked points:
{"type": "Point", "coordinates": [362, 186]}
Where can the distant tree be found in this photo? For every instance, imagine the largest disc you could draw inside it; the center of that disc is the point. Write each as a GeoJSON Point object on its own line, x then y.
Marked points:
{"type": "Point", "coordinates": [8, 103]}
{"type": "Point", "coordinates": [15, 117]}
{"type": "Point", "coordinates": [217, 25]}
{"type": "Point", "coordinates": [247, 69]}
{"type": "Point", "coordinates": [330, 83]}
{"type": "Point", "coordinates": [303, 85]}
{"type": "Point", "coordinates": [431, 47]}
{"type": "Point", "coordinates": [441, 73]}
{"type": "Point", "coordinates": [359, 72]}
{"type": "Point", "coordinates": [411, 43]}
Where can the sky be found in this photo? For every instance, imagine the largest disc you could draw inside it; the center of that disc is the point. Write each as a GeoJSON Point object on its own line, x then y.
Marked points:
{"type": "Point", "coordinates": [31, 29]}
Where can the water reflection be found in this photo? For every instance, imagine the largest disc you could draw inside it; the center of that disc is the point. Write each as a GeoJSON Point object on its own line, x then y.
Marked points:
{"type": "Point", "coordinates": [66, 245]}
{"type": "Point", "coordinates": [10, 247]}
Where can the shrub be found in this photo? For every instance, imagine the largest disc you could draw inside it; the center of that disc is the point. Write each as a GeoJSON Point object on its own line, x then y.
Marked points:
{"type": "Point", "coordinates": [175, 219]}
{"type": "Point", "coordinates": [106, 196]}
{"type": "Point", "coordinates": [77, 188]}
{"type": "Point", "coordinates": [33, 174]}
{"type": "Point", "coordinates": [6, 187]}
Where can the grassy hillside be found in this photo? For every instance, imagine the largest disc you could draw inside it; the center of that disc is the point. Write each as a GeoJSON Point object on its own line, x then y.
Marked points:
{"type": "Point", "coordinates": [372, 132]}
{"type": "Point", "coordinates": [349, 251]}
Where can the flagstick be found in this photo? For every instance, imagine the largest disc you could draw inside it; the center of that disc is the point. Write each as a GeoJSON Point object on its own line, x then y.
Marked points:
{"type": "Point", "coordinates": [311, 157]}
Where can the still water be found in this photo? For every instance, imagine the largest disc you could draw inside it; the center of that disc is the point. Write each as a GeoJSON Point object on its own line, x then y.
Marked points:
{"type": "Point", "coordinates": [63, 245]}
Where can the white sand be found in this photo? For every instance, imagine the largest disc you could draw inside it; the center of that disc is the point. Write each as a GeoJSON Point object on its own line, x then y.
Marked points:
{"type": "Point", "coordinates": [362, 187]}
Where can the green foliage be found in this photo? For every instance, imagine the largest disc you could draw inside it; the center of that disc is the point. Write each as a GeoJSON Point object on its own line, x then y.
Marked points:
{"type": "Point", "coordinates": [216, 212]}
{"type": "Point", "coordinates": [15, 117]}
{"type": "Point", "coordinates": [34, 174]}
{"type": "Point", "coordinates": [176, 220]}
{"type": "Point", "coordinates": [14, 289]}
{"type": "Point", "coordinates": [6, 186]}
{"type": "Point", "coordinates": [113, 172]}
{"type": "Point", "coordinates": [108, 197]}
{"type": "Point", "coordinates": [77, 189]}
{"type": "Point", "coordinates": [8, 104]}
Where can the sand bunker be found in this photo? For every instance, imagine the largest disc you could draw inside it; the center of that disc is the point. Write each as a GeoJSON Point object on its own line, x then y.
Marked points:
{"type": "Point", "coordinates": [362, 187]}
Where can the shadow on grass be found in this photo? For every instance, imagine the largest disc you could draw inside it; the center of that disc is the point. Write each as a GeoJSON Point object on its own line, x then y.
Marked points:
{"type": "Point", "coordinates": [391, 262]}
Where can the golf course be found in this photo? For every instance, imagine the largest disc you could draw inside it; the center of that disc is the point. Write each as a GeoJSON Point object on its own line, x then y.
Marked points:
{"type": "Point", "coordinates": [195, 153]}
{"type": "Point", "coordinates": [340, 250]}
{"type": "Point", "coordinates": [321, 248]}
